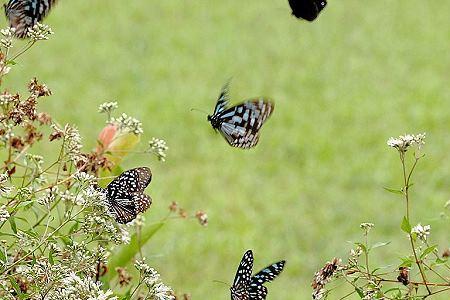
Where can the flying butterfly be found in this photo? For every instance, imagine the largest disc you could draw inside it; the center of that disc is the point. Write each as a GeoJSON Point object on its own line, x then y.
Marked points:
{"type": "Point", "coordinates": [240, 124]}
{"type": "Point", "coordinates": [248, 287]}
{"type": "Point", "coordinates": [125, 195]}
{"type": "Point", "coordinates": [24, 14]}
{"type": "Point", "coordinates": [307, 9]}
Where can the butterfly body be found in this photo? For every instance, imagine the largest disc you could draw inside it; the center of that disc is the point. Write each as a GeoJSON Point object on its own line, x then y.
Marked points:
{"type": "Point", "coordinates": [24, 14]}
{"type": "Point", "coordinates": [125, 194]}
{"type": "Point", "coordinates": [240, 125]}
{"type": "Point", "coordinates": [248, 287]}
{"type": "Point", "coordinates": [307, 9]}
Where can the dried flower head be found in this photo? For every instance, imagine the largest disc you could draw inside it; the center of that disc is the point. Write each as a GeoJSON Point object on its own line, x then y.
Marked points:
{"type": "Point", "coordinates": [39, 32]}
{"type": "Point", "coordinates": [158, 147]}
{"type": "Point", "coordinates": [403, 142]}
{"type": "Point", "coordinates": [403, 276]}
{"type": "Point", "coordinates": [124, 277]}
{"type": "Point", "coordinates": [202, 218]}
{"type": "Point", "coordinates": [446, 253]}
{"type": "Point", "coordinates": [38, 89]}
{"type": "Point", "coordinates": [323, 276]}
{"type": "Point", "coordinates": [422, 232]}
{"type": "Point", "coordinates": [173, 207]}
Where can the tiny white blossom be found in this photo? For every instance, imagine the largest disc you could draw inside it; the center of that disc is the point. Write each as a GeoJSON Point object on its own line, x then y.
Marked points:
{"type": "Point", "coordinates": [39, 32]}
{"type": "Point", "coordinates": [5, 189]}
{"type": "Point", "coordinates": [403, 142]}
{"type": "Point", "coordinates": [129, 124]}
{"type": "Point", "coordinates": [4, 214]}
{"type": "Point", "coordinates": [158, 147]}
{"type": "Point", "coordinates": [107, 107]}
{"type": "Point", "coordinates": [422, 232]}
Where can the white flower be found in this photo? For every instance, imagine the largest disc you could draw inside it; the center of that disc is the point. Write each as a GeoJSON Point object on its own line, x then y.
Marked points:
{"type": "Point", "coordinates": [4, 214]}
{"type": "Point", "coordinates": [4, 188]}
{"type": "Point", "coordinates": [39, 32]}
{"type": "Point", "coordinates": [158, 147]}
{"type": "Point", "coordinates": [107, 107]}
{"type": "Point", "coordinates": [128, 124]}
{"type": "Point", "coordinates": [403, 142]}
{"type": "Point", "coordinates": [422, 232]}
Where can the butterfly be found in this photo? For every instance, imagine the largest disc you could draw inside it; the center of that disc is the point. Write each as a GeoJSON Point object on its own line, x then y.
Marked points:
{"type": "Point", "coordinates": [24, 14]}
{"type": "Point", "coordinates": [125, 196]}
{"type": "Point", "coordinates": [307, 9]}
{"type": "Point", "coordinates": [248, 287]}
{"type": "Point", "coordinates": [240, 124]}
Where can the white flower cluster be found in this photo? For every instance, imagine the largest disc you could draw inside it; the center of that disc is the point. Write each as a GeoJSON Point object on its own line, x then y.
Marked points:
{"type": "Point", "coordinates": [74, 287]}
{"type": "Point", "coordinates": [72, 143]}
{"type": "Point", "coordinates": [107, 107]}
{"type": "Point", "coordinates": [422, 232]}
{"type": "Point", "coordinates": [48, 197]}
{"type": "Point", "coordinates": [403, 142]}
{"type": "Point", "coordinates": [156, 289]}
{"type": "Point", "coordinates": [4, 214]}
{"type": "Point", "coordinates": [83, 178]}
{"type": "Point", "coordinates": [158, 147]}
{"type": "Point", "coordinates": [39, 32]}
{"type": "Point", "coordinates": [128, 124]}
{"type": "Point", "coordinates": [8, 35]}
{"type": "Point", "coordinates": [6, 99]}
{"type": "Point", "coordinates": [5, 189]}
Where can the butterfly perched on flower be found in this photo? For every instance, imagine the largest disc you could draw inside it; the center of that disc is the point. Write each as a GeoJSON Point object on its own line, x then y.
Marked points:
{"type": "Point", "coordinates": [248, 287]}
{"type": "Point", "coordinates": [240, 124]}
{"type": "Point", "coordinates": [307, 9]}
{"type": "Point", "coordinates": [24, 14]}
{"type": "Point", "coordinates": [125, 195]}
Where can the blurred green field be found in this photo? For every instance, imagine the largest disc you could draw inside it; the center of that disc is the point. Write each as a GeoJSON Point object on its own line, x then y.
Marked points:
{"type": "Point", "coordinates": [364, 71]}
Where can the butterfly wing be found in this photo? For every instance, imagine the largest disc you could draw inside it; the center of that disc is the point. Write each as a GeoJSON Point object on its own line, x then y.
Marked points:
{"type": "Point", "coordinates": [123, 210]}
{"type": "Point", "coordinates": [242, 279]}
{"type": "Point", "coordinates": [141, 201]}
{"type": "Point", "coordinates": [24, 14]}
{"type": "Point", "coordinates": [257, 292]}
{"type": "Point", "coordinates": [269, 273]}
{"type": "Point", "coordinates": [222, 101]}
{"type": "Point", "coordinates": [307, 9]}
{"type": "Point", "coordinates": [125, 195]}
{"type": "Point", "coordinates": [240, 124]}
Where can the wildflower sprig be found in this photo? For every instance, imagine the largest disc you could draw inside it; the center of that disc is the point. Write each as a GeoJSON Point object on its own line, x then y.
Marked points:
{"type": "Point", "coordinates": [421, 273]}
{"type": "Point", "coordinates": [58, 235]}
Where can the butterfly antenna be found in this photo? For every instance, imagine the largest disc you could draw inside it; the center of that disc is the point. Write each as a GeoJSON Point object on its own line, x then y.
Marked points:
{"type": "Point", "coordinates": [218, 281]}
{"type": "Point", "coordinates": [199, 110]}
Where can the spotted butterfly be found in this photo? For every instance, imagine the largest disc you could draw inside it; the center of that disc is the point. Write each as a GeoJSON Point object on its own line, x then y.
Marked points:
{"type": "Point", "coordinates": [240, 124]}
{"type": "Point", "coordinates": [307, 9]}
{"type": "Point", "coordinates": [125, 194]}
{"type": "Point", "coordinates": [24, 14]}
{"type": "Point", "coordinates": [248, 287]}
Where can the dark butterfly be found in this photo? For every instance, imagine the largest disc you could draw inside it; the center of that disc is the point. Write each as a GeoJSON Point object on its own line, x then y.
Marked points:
{"type": "Point", "coordinates": [248, 287]}
{"type": "Point", "coordinates": [24, 14]}
{"type": "Point", "coordinates": [240, 124]}
{"type": "Point", "coordinates": [307, 9]}
{"type": "Point", "coordinates": [125, 194]}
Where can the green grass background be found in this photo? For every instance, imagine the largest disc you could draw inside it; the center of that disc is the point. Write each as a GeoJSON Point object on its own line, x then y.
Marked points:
{"type": "Point", "coordinates": [362, 72]}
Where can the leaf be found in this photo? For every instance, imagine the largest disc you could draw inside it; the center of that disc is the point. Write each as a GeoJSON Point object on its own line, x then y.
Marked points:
{"type": "Point", "coordinates": [360, 292]}
{"type": "Point", "coordinates": [2, 256]}
{"type": "Point", "coordinates": [126, 252]}
{"type": "Point", "coordinates": [50, 257]}
{"type": "Point", "coordinates": [406, 227]}
{"type": "Point", "coordinates": [440, 261]}
{"type": "Point", "coordinates": [427, 251]}
{"type": "Point", "coordinates": [379, 244]}
{"type": "Point", "coordinates": [406, 262]}
{"type": "Point", "coordinates": [394, 191]}
{"type": "Point", "coordinates": [15, 286]}
{"type": "Point", "coordinates": [13, 224]}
